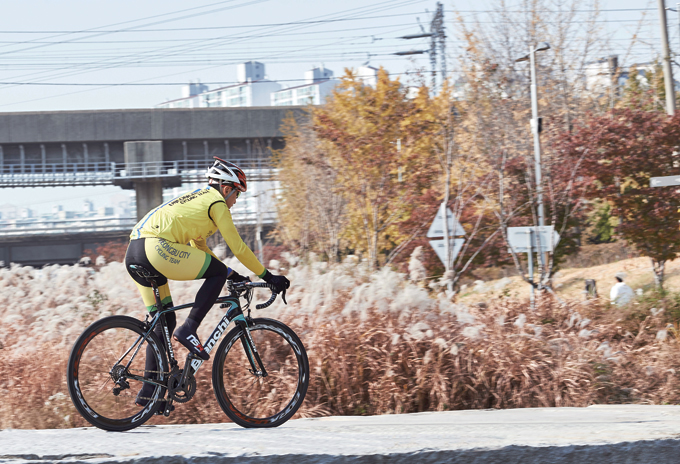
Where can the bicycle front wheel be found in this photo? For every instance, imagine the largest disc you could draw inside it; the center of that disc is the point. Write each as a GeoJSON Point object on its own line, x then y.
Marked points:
{"type": "Point", "coordinates": [247, 397]}
{"type": "Point", "coordinates": [105, 372]}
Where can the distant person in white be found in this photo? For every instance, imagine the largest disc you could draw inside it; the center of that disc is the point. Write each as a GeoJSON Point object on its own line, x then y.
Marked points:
{"type": "Point", "coordinates": [621, 293]}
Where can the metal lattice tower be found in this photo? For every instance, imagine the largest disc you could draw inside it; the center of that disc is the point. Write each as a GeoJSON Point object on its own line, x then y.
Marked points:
{"type": "Point", "coordinates": [438, 44]}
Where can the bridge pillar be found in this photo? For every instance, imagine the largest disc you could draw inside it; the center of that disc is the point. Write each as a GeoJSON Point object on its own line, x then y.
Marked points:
{"type": "Point", "coordinates": [148, 190]}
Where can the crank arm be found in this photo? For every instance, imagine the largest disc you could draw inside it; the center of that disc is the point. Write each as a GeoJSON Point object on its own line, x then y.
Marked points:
{"type": "Point", "coordinates": [187, 365]}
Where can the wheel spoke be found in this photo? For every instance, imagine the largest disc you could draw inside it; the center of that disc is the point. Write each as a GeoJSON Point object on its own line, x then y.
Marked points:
{"type": "Point", "coordinates": [96, 355]}
{"type": "Point", "coordinates": [255, 397]}
{"type": "Point", "coordinates": [103, 385]}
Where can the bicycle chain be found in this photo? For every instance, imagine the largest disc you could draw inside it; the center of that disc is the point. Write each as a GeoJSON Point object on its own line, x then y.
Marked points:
{"type": "Point", "coordinates": [161, 400]}
{"type": "Point", "coordinates": [145, 371]}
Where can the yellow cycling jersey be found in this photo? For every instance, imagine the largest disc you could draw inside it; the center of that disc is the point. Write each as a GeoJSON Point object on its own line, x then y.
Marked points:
{"type": "Point", "coordinates": [192, 218]}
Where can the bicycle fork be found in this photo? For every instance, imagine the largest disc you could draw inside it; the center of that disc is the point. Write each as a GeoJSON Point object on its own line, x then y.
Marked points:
{"type": "Point", "coordinates": [235, 313]}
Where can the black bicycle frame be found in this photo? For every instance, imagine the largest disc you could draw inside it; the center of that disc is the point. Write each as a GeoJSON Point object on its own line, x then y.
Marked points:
{"type": "Point", "coordinates": [234, 313]}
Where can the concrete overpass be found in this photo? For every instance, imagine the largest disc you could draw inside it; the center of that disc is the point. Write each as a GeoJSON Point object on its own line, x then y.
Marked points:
{"type": "Point", "coordinates": [63, 249]}
{"type": "Point", "coordinates": [68, 248]}
{"type": "Point", "coordinates": [144, 149]}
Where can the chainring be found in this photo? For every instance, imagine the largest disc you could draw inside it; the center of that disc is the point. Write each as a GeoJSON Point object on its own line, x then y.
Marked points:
{"type": "Point", "coordinates": [181, 393]}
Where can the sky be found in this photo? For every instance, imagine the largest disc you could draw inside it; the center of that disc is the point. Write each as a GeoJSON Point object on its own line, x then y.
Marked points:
{"type": "Point", "coordinates": [80, 54]}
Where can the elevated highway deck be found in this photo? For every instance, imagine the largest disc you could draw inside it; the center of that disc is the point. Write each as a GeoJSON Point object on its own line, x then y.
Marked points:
{"type": "Point", "coordinates": [141, 149]}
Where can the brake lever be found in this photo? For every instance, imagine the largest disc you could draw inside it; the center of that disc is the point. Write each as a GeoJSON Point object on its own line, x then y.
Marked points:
{"type": "Point", "coordinates": [283, 296]}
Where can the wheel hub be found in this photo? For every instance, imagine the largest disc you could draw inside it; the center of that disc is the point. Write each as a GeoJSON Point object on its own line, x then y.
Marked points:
{"type": "Point", "coordinates": [117, 372]}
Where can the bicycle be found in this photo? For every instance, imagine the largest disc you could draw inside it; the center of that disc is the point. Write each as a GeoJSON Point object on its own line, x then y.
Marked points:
{"type": "Point", "coordinates": [261, 385]}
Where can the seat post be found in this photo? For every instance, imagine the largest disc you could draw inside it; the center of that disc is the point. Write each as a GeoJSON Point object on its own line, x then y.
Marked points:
{"type": "Point", "coordinates": [156, 293]}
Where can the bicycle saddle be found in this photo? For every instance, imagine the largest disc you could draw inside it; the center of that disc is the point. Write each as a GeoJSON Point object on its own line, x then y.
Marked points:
{"type": "Point", "coordinates": [142, 272]}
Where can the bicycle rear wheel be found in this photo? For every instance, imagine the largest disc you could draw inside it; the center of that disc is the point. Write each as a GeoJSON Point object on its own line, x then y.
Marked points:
{"type": "Point", "coordinates": [99, 359]}
{"type": "Point", "coordinates": [251, 400]}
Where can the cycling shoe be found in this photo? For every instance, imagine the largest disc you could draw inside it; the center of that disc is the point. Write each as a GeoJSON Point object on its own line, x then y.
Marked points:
{"type": "Point", "coordinates": [186, 335]}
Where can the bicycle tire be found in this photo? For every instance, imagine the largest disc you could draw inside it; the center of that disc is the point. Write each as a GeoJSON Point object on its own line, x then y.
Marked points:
{"type": "Point", "coordinates": [90, 383]}
{"type": "Point", "coordinates": [253, 401]}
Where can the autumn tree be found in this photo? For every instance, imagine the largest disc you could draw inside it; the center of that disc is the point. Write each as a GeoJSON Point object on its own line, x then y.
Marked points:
{"type": "Point", "coordinates": [625, 150]}
{"type": "Point", "coordinates": [374, 136]}
{"type": "Point", "coordinates": [464, 180]}
{"type": "Point", "coordinates": [312, 206]}
{"type": "Point", "coordinates": [495, 90]}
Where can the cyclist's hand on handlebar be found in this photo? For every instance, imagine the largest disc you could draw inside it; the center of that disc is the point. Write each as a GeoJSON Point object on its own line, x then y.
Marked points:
{"type": "Point", "coordinates": [280, 283]}
{"type": "Point", "coordinates": [236, 277]}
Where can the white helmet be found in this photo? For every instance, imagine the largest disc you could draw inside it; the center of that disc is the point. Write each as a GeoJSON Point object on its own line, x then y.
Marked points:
{"type": "Point", "coordinates": [226, 172]}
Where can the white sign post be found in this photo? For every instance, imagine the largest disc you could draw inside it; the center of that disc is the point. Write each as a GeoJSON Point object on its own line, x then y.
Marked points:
{"type": "Point", "coordinates": [667, 181]}
{"type": "Point", "coordinates": [529, 239]}
{"type": "Point", "coordinates": [437, 227]}
{"type": "Point", "coordinates": [437, 230]}
{"type": "Point", "coordinates": [455, 246]}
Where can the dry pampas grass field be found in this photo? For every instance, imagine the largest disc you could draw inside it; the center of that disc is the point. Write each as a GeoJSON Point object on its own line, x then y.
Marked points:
{"type": "Point", "coordinates": [377, 344]}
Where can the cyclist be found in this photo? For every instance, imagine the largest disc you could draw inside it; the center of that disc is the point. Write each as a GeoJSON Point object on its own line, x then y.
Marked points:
{"type": "Point", "coordinates": [159, 243]}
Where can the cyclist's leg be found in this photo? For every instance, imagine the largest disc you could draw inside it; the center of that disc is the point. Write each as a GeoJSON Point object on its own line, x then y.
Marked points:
{"type": "Point", "coordinates": [183, 262]}
{"type": "Point", "coordinates": [136, 255]}
{"type": "Point", "coordinates": [215, 277]}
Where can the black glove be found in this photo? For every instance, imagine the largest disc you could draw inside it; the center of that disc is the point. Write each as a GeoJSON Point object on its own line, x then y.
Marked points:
{"type": "Point", "coordinates": [236, 277]}
{"type": "Point", "coordinates": [280, 283]}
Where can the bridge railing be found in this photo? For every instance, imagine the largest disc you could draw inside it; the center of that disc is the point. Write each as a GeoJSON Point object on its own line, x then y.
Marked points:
{"type": "Point", "coordinates": [46, 226]}
{"type": "Point", "coordinates": [188, 170]}
{"type": "Point", "coordinates": [101, 173]}
{"type": "Point", "coordinates": [17, 175]}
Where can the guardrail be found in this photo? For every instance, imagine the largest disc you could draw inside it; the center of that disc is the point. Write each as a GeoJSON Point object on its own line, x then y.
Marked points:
{"type": "Point", "coordinates": [100, 173]}
{"type": "Point", "coordinates": [51, 227]}
{"type": "Point", "coordinates": [64, 226]}
{"type": "Point", "coordinates": [56, 174]}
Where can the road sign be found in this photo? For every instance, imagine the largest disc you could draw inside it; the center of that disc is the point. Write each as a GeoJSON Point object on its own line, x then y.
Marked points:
{"type": "Point", "coordinates": [518, 238]}
{"type": "Point", "coordinates": [437, 227]}
{"type": "Point", "coordinates": [666, 181]}
{"type": "Point", "coordinates": [456, 245]}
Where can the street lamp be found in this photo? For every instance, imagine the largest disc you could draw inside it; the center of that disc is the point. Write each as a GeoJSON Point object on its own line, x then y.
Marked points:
{"type": "Point", "coordinates": [535, 125]}
{"type": "Point", "coordinates": [536, 129]}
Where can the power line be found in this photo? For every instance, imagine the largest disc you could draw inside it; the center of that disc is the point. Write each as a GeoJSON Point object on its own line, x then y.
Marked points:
{"type": "Point", "coordinates": [107, 63]}
{"type": "Point", "coordinates": [175, 56]}
{"type": "Point", "coordinates": [325, 31]}
{"type": "Point", "coordinates": [204, 28]}
{"type": "Point", "coordinates": [100, 32]}
{"type": "Point", "coordinates": [361, 10]}
{"type": "Point", "coordinates": [220, 83]}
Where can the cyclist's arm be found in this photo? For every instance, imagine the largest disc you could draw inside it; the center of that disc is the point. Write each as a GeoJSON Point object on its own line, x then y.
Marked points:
{"type": "Point", "coordinates": [222, 218]}
{"type": "Point", "coordinates": [203, 246]}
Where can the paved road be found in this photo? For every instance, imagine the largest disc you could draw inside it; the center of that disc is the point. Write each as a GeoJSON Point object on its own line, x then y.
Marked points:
{"type": "Point", "coordinates": [597, 434]}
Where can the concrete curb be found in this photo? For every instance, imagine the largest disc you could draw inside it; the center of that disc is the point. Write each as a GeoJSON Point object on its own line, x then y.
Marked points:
{"type": "Point", "coordinates": [639, 452]}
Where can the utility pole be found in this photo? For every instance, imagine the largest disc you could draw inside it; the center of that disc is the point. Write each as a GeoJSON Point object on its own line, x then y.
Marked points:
{"type": "Point", "coordinates": [536, 132]}
{"type": "Point", "coordinates": [438, 42]}
{"type": "Point", "coordinates": [613, 63]}
{"type": "Point", "coordinates": [667, 71]}
{"type": "Point", "coordinates": [536, 129]}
